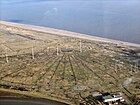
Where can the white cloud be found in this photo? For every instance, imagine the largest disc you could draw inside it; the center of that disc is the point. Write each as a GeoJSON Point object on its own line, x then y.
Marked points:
{"type": "Point", "coordinates": [51, 12]}
{"type": "Point", "coordinates": [55, 9]}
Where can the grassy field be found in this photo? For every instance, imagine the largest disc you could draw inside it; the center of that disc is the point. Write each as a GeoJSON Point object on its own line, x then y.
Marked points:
{"type": "Point", "coordinates": [64, 67]}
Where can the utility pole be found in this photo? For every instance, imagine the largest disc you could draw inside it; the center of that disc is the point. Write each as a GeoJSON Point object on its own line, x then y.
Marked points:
{"type": "Point", "coordinates": [80, 46]}
{"type": "Point", "coordinates": [6, 55]}
{"type": "Point", "coordinates": [33, 55]}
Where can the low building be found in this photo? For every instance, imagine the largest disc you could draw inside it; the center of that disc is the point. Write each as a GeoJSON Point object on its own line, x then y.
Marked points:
{"type": "Point", "coordinates": [112, 98]}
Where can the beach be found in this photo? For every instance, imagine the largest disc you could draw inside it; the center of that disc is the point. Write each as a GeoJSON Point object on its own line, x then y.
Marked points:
{"type": "Point", "coordinates": [68, 33]}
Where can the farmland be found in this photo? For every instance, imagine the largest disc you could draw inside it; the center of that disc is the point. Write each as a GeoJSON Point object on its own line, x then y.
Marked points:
{"type": "Point", "coordinates": [64, 67]}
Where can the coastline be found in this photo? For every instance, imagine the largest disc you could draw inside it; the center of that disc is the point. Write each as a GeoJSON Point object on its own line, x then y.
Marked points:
{"type": "Point", "coordinates": [68, 33]}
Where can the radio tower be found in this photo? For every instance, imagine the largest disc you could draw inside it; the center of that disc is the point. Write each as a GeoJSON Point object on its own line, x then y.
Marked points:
{"type": "Point", "coordinates": [6, 55]}
{"type": "Point", "coordinates": [57, 50]}
{"type": "Point", "coordinates": [33, 55]}
{"type": "Point", "coordinates": [80, 46]}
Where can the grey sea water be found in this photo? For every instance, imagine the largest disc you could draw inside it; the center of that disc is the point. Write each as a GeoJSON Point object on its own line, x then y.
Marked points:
{"type": "Point", "coordinates": [115, 19]}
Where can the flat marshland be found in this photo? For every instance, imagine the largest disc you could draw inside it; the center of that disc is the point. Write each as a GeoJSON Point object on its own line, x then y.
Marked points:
{"type": "Point", "coordinates": [62, 66]}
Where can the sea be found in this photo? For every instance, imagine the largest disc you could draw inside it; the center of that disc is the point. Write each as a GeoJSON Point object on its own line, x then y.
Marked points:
{"type": "Point", "coordinates": [114, 19]}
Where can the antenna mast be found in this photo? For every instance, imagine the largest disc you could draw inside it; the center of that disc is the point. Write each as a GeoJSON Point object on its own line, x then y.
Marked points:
{"type": "Point", "coordinates": [80, 46]}
{"type": "Point", "coordinates": [33, 55]}
{"type": "Point", "coordinates": [57, 49]}
{"type": "Point", "coordinates": [6, 55]}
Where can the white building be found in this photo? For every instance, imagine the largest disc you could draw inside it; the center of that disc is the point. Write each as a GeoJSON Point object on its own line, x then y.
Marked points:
{"type": "Point", "coordinates": [112, 98]}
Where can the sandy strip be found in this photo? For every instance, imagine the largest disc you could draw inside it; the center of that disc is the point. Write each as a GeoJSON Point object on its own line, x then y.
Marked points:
{"type": "Point", "coordinates": [68, 33]}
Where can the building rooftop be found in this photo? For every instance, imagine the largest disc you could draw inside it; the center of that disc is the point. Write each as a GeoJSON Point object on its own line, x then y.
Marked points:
{"type": "Point", "coordinates": [112, 97]}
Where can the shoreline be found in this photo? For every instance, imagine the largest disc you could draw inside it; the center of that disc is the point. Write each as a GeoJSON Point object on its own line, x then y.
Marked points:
{"type": "Point", "coordinates": [68, 33]}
